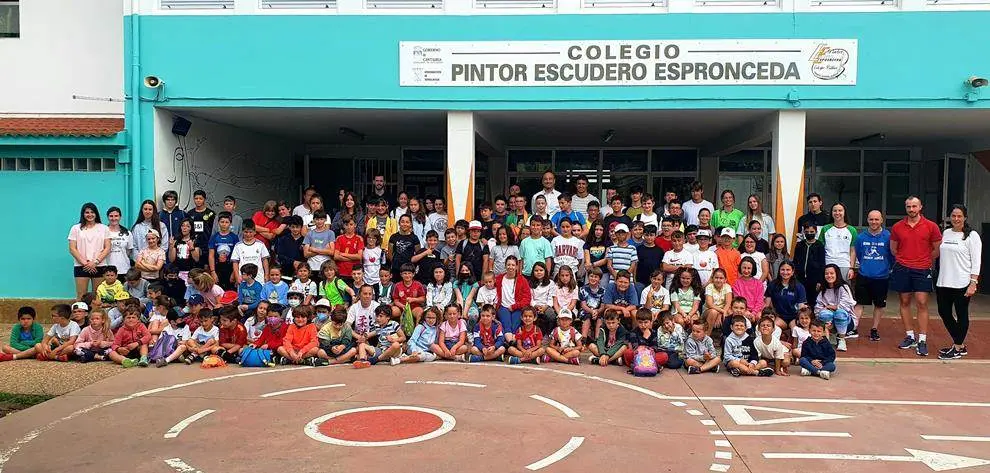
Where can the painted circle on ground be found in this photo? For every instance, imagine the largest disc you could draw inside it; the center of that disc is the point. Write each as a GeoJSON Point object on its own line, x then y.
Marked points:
{"type": "Point", "coordinates": [380, 426]}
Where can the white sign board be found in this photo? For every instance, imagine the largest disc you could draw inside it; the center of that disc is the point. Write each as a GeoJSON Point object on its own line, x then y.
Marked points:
{"type": "Point", "coordinates": [611, 63]}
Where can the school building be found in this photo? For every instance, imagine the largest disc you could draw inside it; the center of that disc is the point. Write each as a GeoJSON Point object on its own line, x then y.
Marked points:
{"type": "Point", "coordinates": [111, 101]}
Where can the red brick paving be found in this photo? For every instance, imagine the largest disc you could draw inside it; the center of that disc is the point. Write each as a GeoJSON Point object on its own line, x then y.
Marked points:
{"type": "Point", "coordinates": [892, 332]}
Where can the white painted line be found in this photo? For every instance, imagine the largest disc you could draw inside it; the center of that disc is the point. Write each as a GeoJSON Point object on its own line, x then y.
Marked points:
{"type": "Point", "coordinates": [718, 467]}
{"type": "Point", "coordinates": [707, 422]}
{"type": "Point", "coordinates": [678, 404]}
{"type": "Point", "coordinates": [303, 389]}
{"type": "Point", "coordinates": [741, 415]}
{"type": "Point", "coordinates": [312, 428]}
{"type": "Point", "coordinates": [449, 383]}
{"type": "Point", "coordinates": [956, 438]}
{"type": "Point", "coordinates": [933, 460]}
{"type": "Point", "coordinates": [695, 412]}
{"type": "Point", "coordinates": [557, 456]}
{"type": "Point", "coordinates": [180, 466]}
{"type": "Point", "coordinates": [723, 444]}
{"type": "Point", "coordinates": [723, 455]}
{"type": "Point", "coordinates": [177, 428]}
{"type": "Point", "coordinates": [777, 433]}
{"type": "Point", "coordinates": [560, 406]}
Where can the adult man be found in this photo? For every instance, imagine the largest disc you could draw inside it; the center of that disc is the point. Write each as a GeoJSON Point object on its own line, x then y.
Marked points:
{"type": "Point", "coordinates": [728, 215]}
{"type": "Point", "coordinates": [815, 214]}
{"type": "Point", "coordinates": [874, 260]}
{"type": "Point", "coordinates": [697, 202]}
{"type": "Point", "coordinates": [303, 208]}
{"type": "Point", "coordinates": [378, 192]}
{"type": "Point", "coordinates": [548, 192]}
{"type": "Point", "coordinates": [581, 197]}
{"type": "Point", "coordinates": [914, 242]}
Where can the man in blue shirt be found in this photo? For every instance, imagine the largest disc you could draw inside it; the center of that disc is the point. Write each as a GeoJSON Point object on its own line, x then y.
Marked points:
{"type": "Point", "coordinates": [875, 260]}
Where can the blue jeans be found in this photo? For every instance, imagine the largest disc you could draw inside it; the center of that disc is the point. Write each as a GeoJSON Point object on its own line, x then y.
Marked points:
{"type": "Point", "coordinates": [806, 364]}
{"type": "Point", "coordinates": [510, 320]}
{"type": "Point", "coordinates": [838, 318]}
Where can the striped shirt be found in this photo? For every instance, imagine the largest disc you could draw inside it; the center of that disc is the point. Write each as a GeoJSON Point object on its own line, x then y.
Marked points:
{"type": "Point", "coordinates": [622, 256]}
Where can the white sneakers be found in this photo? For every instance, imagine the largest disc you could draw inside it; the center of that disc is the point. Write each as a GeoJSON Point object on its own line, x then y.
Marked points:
{"type": "Point", "coordinates": [841, 346]}
{"type": "Point", "coordinates": [805, 372]}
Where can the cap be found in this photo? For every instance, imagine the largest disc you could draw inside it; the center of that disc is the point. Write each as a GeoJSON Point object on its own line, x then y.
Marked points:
{"type": "Point", "coordinates": [474, 225]}
{"type": "Point", "coordinates": [322, 303]}
{"type": "Point", "coordinates": [650, 229]}
{"type": "Point", "coordinates": [228, 297]}
{"type": "Point", "coordinates": [80, 306]}
{"type": "Point", "coordinates": [704, 233]}
{"type": "Point", "coordinates": [727, 232]}
{"type": "Point", "coordinates": [196, 299]}
{"type": "Point", "coordinates": [621, 228]}
{"type": "Point", "coordinates": [122, 296]}
{"type": "Point", "coordinates": [565, 314]}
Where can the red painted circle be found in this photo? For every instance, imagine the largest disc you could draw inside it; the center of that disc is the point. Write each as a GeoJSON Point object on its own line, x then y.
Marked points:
{"type": "Point", "coordinates": [380, 426]}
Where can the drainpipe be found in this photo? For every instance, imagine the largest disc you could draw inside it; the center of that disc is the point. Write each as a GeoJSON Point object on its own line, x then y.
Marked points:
{"type": "Point", "coordinates": [135, 116]}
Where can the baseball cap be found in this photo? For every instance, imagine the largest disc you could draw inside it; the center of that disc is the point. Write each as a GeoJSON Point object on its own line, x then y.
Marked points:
{"type": "Point", "coordinates": [228, 297]}
{"type": "Point", "coordinates": [650, 229]}
{"type": "Point", "coordinates": [727, 232]}
{"type": "Point", "coordinates": [196, 299]}
{"type": "Point", "coordinates": [621, 228]}
{"type": "Point", "coordinates": [122, 296]}
{"type": "Point", "coordinates": [474, 225]}
{"type": "Point", "coordinates": [80, 306]}
{"type": "Point", "coordinates": [565, 314]}
{"type": "Point", "coordinates": [322, 303]}
{"type": "Point", "coordinates": [704, 233]}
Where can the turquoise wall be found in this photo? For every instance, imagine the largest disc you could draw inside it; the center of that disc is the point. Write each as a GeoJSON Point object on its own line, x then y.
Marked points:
{"type": "Point", "coordinates": [47, 204]}
{"type": "Point", "coordinates": [906, 59]}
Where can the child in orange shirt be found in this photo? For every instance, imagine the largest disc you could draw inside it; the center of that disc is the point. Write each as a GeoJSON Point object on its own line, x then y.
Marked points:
{"type": "Point", "coordinates": [300, 344]}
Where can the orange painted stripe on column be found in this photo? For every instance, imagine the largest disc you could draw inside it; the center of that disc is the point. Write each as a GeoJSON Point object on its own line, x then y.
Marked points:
{"type": "Point", "coordinates": [468, 208]}
{"type": "Point", "coordinates": [798, 211]}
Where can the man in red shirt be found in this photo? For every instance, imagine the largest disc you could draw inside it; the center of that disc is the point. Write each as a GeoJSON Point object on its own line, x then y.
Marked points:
{"type": "Point", "coordinates": [348, 249]}
{"type": "Point", "coordinates": [914, 242]}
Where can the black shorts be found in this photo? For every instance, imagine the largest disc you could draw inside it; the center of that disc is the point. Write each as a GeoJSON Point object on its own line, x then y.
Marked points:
{"type": "Point", "coordinates": [905, 280]}
{"type": "Point", "coordinates": [78, 272]}
{"type": "Point", "coordinates": [870, 291]}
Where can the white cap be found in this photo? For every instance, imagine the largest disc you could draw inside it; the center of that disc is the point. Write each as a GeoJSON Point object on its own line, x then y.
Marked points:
{"type": "Point", "coordinates": [322, 303]}
{"type": "Point", "coordinates": [474, 225]}
{"type": "Point", "coordinates": [727, 232]}
{"type": "Point", "coordinates": [565, 314]}
{"type": "Point", "coordinates": [704, 233]}
{"type": "Point", "coordinates": [621, 228]}
{"type": "Point", "coordinates": [80, 306]}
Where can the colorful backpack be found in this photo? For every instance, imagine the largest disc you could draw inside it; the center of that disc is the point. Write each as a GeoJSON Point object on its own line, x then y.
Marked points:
{"type": "Point", "coordinates": [407, 321]}
{"type": "Point", "coordinates": [163, 347]}
{"type": "Point", "coordinates": [643, 363]}
{"type": "Point", "coordinates": [213, 361]}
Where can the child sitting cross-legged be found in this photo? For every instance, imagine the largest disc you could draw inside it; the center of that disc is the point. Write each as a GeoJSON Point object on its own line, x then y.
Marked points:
{"type": "Point", "coordinates": [178, 330]}
{"type": "Point", "coordinates": [643, 334]}
{"type": "Point", "coordinates": [489, 340]}
{"type": "Point", "coordinates": [610, 342]}
{"type": "Point", "coordinates": [453, 335]}
{"type": "Point", "coordinates": [769, 347]}
{"type": "Point", "coordinates": [528, 340]}
{"type": "Point", "coordinates": [233, 335]}
{"type": "Point", "coordinates": [670, 340]}
{"type": "Point", "coordinates": [741, 357]}
{"type": "Point", "coordinates": [390, 338]}
{"type": "Point", "coordinates": [565, 340]}
{"type": "Point", "coordinates": [204, 338]}
{"type": "Point", "coordinates": [336, 339]}
{"type": "Point", "coordinates": [423, 339]}
{"type": "Point", "coordinates": [24, 336]}
{"type": "Point", "coordinates": [95, 340]}
{"type": "Point", "coordinates": [130, 344]}
{"type": "Point", "coordinates": [60, 339]}
{"type": "Point", "coordinates": [817, 354]}
{"type": "Point", "coordinates": [274, 331]}
{"type": "Point", "coordinates": [300, 345]}
{"type": "Point", "coordinates": [699, 351]}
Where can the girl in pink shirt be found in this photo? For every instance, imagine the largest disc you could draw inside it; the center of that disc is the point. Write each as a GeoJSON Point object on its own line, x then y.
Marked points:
{"type": "Point", "coordinates": [453, 335]}
{"type": "Point", "coordinates": [95, 340]}
{"type": "Point", "coordinates": [749, 287]}
{"type": "Point", "coordinates": [566, 294]}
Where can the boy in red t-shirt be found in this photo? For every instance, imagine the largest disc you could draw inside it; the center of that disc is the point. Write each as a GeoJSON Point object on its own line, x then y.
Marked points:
{"type": "Point", "coordinates": [408, 291]}
{"type": "Point", "coordinates": [273, 333]}
{"type": "Point", "coordinates": [233, 335]}
{"type": "Point", "coordinates": [348, 248]}
{"type": "Point", "coordinates": [529, 340]}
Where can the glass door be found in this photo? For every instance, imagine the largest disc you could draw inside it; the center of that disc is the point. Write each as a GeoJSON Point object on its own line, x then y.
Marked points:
{"type": "Point", "coordinates": [896, 189]}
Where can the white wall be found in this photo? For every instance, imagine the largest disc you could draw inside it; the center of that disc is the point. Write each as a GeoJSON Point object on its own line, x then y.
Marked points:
{"type": "Point", "coordinates": [66, 47]}
{"type": "Point", "coordinates": [223, 160]}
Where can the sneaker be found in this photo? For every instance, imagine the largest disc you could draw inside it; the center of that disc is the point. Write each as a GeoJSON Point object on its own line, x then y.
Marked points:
{"type": "Point", "coordinates": [922, 349]}
{"type": "Point", "coordinates": [805, 372]}
{"type": "Point", "coordinates": [735, 372]}
{"type": "Point", "coordinates": [824, 375]}
{"type": "Point", "coordinates": [716, 369]}
{"type": "Point", "coordinates": [394, 361]}
{"type": "Point", "coordinates": [874, 335]}
{"type": "Point", "coordinates": [143, 362]}
{"type": "Point", "coordinates": [539, 359]}
{"type": "Point", "coordinates": [693, 370]}
{"type": "Point", "coordinates": [161, 363]}
{"type": "Point", "coordinates": [460, 358]}
{"type": "Point", "coordinates": [574, 361]}
{"type": "Point", "coordinates": [852, 333]}
{"type": "Point", "coordinates": [964, 351]}
{"type": "Point", "coordinates": [62, 358]}
{"type": "Point", "coordinates": [222, 353]}
{"type": "Point", "coordinates": [591, 359]}
{"type": "Point", "coordinates": [512, 360]}
{"type": "Point", "coordinates": [841, 346]}
{"type": "Point", "coordinates": [6, 357]}
{"type": "Point", "coordinates": [950, 354]}
{"type": "Point", "coordinates": [312, 361]}
{"type": "Point", "coordinates": [942, 351]}
{"type": "Point", "coordinates": [129, 363]}
{"type": "Point", "coordinates": [908, 343]}
{"type": "Point", "coordinates": [188, 359]}
{"type": "Point", "coordinates": [765, 372]}
{"type": "Point", "coordinates": [361, 364]}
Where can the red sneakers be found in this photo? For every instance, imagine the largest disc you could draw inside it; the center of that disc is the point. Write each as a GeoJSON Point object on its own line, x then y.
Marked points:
{"type": "Point", "coordinates": [362, 364]}
{"type": "Point", "coordinates": [6, 357]}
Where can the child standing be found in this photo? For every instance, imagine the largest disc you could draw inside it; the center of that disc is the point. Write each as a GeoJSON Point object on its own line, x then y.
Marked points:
{"type": "Point", "coordinates": [699, 351]}
{"type": "Point", "coordinates": [58, 342]}
{"type": "Point", "coordinates": [94, 341]}
{"type": "Point", "coordinates": [423, 338]}
{"type": "Point", "coordinates": [643, 335]}
{"type": "Point", "coordinates": [300, 344]}
{"type": "Point", "coordinates": [453, 332]}
{"type": "Point", "coordinates": [249, 250]}
{"type": "Point", "coordinates": [565, 295]}
{"type": "Point", "coordinates": [275, 290]}
{"type": "Point", "coordinates": [221, 245]}
{"type": "Point", "coordinates": [741, 357]}
{"type": "Point", "coordinates": [318, 245]}
{"type": "Point", "coordinates": [671, 340]}
{"type": "Point", "coordinates": [610, 343]}
{"type": "Point", "coordinates": [568, 250]}
{"type": "Point", "coordinates": [565, 341]}
{"type": "Point", "coordinates": [336, 339]}
{"type": "Point", "coordinates": [24, 336]}
{"type": "Point", "coordinates": [528, 340]}
{"type": "Point", "coordinates": [590, 299]}
{"type": "Point", "coordinates": [770, 348]}
{"type": "Point", "coordinates": [204, 338]}
{"type": "Point", "coordinates": [373, 257]}
{"type": "Point", "coordinates": [130, 344]}
{"type": "Point", "coordinates": [817, 355]}
{"type": "Point", "coordinates": [489, 340]}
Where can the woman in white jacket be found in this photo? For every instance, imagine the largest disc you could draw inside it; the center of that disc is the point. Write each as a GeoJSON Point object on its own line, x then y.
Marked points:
{"type": "Point", "coordinates": [958, 277]}
{"type": "Point", "coordinates": [835, 304]}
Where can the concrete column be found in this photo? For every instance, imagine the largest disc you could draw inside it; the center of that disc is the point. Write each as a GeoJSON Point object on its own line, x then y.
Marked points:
{"type": "Point", "coordinates": [788, 171]}
{"type": "Point", "coordinates": [460, 165]}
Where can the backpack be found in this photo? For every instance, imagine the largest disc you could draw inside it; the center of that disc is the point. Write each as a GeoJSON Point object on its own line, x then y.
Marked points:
{"type": "Point", "coordinates": [406, 321]}
{"type": "Point", "coordinates": [163, 347]}
{"type": "Point", "coordinates": [213, 361]}
{"type": "Point", "coordinates": [252, 357]}
{"type": "Point", "coordinates": [643, 363]}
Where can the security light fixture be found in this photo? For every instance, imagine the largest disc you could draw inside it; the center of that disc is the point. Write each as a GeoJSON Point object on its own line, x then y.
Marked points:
{"type": "Point", "coordinates": [977, 82]}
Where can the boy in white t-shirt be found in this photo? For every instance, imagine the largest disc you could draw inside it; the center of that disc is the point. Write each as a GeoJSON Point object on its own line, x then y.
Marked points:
{"type": "Point", "coordinates": [769, 347]}
{"type": "Point", "coordinates": [676, 258]}
{"type": "Point", "coordinates": [565, 340]}
{"type": "Point", "coordinates": [249, 250]}
{"type": "Point", "coordinates": [705, 259]}
{"type": "Point", "coordinates": [60, 339]}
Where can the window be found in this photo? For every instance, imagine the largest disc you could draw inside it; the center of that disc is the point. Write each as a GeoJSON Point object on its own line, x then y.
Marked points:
{"type": "Point", "coordinates": [10, 19]}
{"type": "Point", "coordinates": [625, 160]}
{"type": "Point", "coordinates": [853, 176]}
{"type": "Point", "coordinates": [429, 160]}
{"type": "Point", "coordinates": [675, 160]}
{"type": "Point", "coordinates": [58, 164]}
{"type": "Point", "coordinates": [527, 160]}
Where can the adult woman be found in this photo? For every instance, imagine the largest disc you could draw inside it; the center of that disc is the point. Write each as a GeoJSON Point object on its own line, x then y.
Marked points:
{"type": "Point", "coordinates": [596, 243]}
{"type": "Point", "coordinates": [120, 244]}
{"type": "Point", "coordinates": [351, 209]}
{"type": "Point", "coordinates": [748, 248]}
{"type": "Point", "coordinates": [147, 220]}
{"type": "Point", "coordinates": [183, 252]}
{"type": "Point", "coordinates": [89, 245]}
{"type": "Point", "coordinates": [754, 211]}
{"type": "Point", "coordinates": [728, 215]}
{"type": "Point", "coordinates": [266, 222]}
{"type": "Point", "coordinates": [513, 295]}
{"type": "Point", "coordinates": [786, 295]}
{"type": "Point", "coordinates": [958, 277]}
{"type": "Point", "coordinates": [419, 221]}
{"type": "Point", "coordinates": [315, 203]}
{"type": "Point", "coordinates": [777, 254]}
{"type": "Point", "coordinates": [839, 239]}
